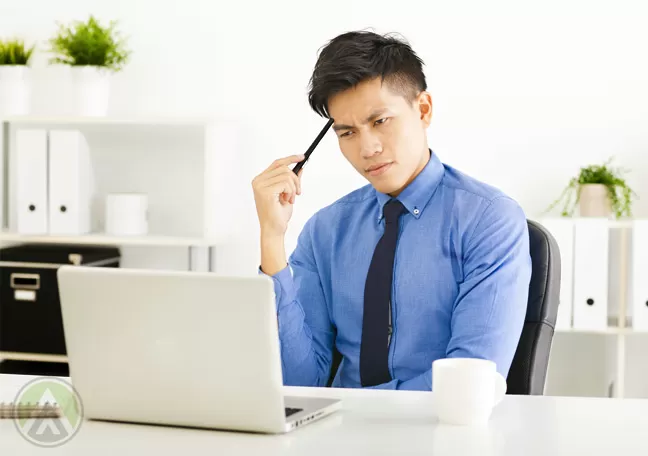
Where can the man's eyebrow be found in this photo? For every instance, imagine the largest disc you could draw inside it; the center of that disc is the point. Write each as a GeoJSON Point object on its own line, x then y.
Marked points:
{"type": "Point", "coordinates": [376, 113]}
{"type": "Point", "coordinates": [372, 116]}
{"type": "Point", "coordinates": [338, 127]}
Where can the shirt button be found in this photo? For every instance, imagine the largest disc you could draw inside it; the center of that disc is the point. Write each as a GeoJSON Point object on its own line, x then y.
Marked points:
{"type": "Point", "coordinates": [416, 212]}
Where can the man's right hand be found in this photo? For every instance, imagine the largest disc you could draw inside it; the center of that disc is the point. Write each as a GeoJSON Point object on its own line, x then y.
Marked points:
{"type": "Point", "coordinates": [275, 190]}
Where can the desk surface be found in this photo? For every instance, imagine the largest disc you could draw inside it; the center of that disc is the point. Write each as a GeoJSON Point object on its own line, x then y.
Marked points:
{"type": "Point", "coordinates": [378, 422]}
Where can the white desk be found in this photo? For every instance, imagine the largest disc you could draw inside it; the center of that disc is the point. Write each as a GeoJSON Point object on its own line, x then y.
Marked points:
{"type": "Point", "coordinates": [378, 423]}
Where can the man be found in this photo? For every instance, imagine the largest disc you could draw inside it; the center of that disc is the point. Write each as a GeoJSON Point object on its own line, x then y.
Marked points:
{"type": "Point", "coordinates": [423, 263]}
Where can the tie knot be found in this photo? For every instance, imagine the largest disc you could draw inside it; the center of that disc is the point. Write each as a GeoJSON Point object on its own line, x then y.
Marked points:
{"type": "Point", "coordinates": [393, 210]}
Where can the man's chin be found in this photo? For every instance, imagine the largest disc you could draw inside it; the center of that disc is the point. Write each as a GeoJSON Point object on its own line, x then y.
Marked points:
{"type": "Point", "coordinates": [386, 187]}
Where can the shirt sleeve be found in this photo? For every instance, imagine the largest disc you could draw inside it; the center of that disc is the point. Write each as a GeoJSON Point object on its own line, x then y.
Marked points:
{"type": "Point", "coordinates": [489, 312]}
{"type": "Point", "coordinates": [422, 382]}
{"type": "Point", "coordinates": [306, 334]}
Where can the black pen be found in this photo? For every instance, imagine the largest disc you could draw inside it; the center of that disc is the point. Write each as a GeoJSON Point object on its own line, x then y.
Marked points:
{"type": "Point", "coordinates": [312, 147]}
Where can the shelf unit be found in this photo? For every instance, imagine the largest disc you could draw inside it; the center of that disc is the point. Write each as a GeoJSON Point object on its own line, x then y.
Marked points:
{"type": "Point", "coordinates": [620, 327]}
{"type": "Point", "coordinates": [103, 239]}
{"type": "Point", "coordinates": [199, 247]}
{"type": "Point", "coordinates": [611, 330]}
{"type": "Point", "coordinates": [102, 124]}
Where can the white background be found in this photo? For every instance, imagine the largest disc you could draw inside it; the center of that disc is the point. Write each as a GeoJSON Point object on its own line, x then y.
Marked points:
{"type": "Point", "coordinates": [525, 93]}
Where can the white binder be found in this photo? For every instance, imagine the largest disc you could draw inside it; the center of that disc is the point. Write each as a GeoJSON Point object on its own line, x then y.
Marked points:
{"type": "Point", "coordinates": [562, 229]}
{"type": "Point", "coordinates": [71, 183]}
{"type": "Point", "coordinates": [640, 275]}
{"type": "Point", "coordinates": [31, 181]}
{"type": "Point", "coordinates": [591, 251]}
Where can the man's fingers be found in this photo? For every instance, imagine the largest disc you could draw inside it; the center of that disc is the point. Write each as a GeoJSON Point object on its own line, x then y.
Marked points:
{"type": "Point", "coordinates": [271, 174]}
{"type": "Point", "coordinates": [281, 184]}
{"type": "Point", "coordinates": [286, 161]}
{"type": "Point", "coordinates": [287, 199]}
{"type": "Point", "coordinates": [278, 167]}
{"type": "Point", "coordinates": [281, 172]}
{"type": "Point", "coordinates": [298, 177]}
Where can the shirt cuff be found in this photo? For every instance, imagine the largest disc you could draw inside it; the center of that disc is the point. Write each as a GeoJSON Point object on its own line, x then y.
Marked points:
{"type": "Point", "coordinates": [283, 286]}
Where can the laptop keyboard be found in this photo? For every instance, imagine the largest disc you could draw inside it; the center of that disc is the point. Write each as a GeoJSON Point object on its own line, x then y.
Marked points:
{"type": "Point", "coordinates": [292, 411]}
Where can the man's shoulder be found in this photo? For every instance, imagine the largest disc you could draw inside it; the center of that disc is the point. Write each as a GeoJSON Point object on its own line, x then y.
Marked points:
{"type": "Point", "coordinates": [348, 202]}
{"type": "Point", "coordinates": [357, 196]}
{"type": "Point", "coordinates": [326, 221]}
{"type": "Point", "coordinates": [475, 200]}
{"type": "Point", "coordinates": [467, 186]}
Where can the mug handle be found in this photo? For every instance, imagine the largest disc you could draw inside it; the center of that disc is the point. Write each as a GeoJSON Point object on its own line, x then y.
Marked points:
{"type": "Point", "coordinates": [500, 388]}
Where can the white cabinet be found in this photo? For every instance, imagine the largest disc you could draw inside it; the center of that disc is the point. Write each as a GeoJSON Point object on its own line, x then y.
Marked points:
{"type": "Point", "coordinates": [174, 161]}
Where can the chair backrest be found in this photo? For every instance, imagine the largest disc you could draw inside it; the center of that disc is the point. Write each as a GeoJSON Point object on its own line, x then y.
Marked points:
{"type": "Point", "coordinates": [529, 367]}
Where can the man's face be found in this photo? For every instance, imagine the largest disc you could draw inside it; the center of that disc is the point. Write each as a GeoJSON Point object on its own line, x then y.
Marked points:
{"type": "Point", "coordinates": [382, 134]}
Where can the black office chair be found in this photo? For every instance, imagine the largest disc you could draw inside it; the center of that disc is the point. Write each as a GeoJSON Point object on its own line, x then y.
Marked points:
{"type": "Point", "coordinates": [529, 367]}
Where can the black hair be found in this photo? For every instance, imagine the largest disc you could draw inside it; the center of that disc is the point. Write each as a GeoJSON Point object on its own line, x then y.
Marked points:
{"type": "Point", "coordinates": [353, 57]}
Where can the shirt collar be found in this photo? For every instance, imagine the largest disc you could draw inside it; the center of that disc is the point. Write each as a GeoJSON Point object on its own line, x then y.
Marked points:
{"type": "Point", "coordinates": [418, 193]}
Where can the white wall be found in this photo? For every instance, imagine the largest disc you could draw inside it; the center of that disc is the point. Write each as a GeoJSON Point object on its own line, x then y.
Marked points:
{"type": "Point", "coordinates": [524, 92]}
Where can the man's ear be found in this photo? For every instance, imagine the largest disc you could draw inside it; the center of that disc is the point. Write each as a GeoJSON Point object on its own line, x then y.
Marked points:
{"type": "Point", "coordinates": [424, 103]}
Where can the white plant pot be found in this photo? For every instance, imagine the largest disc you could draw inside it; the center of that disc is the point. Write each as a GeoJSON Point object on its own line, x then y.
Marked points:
{"type": "Point", "coordinates": [15, 90]}
{"type": "Point", "coordinates": [91, 89]}
{"type": "Point", "coordinates": [594, 201]}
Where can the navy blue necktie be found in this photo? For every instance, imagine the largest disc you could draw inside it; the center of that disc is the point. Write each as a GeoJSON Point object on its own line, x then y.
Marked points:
{"type": "Point", "coordinates": [374, 349]}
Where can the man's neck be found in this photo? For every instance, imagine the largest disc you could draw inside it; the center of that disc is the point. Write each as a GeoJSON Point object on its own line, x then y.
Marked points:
{"type": "Point", "coordinates": [419, 168]}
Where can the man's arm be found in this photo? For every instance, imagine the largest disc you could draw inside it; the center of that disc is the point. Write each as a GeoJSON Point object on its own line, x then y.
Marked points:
{"type": "Point", "coordinates": [305, 331]}
{"type": "Point", "coordinates": [304, 327]}
{"type": "Point", "coordinates": [488, 314]}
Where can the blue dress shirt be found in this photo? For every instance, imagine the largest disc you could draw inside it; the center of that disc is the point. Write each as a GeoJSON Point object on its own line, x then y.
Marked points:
{"type": "Point", "coordinates": [461, 281]}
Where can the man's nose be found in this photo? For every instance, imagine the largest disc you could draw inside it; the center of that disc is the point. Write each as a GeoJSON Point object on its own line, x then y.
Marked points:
{"type": "Point", "coordinates": [369, 145]}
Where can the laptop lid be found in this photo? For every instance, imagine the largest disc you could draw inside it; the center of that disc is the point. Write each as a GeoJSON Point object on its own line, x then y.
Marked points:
{"type": "Point", "coordinates": [173, 347]}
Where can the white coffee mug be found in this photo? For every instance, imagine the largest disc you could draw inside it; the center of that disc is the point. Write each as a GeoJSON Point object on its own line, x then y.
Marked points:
{"type": "Point", "coordinates": [465, 390]}
{"type": "Point", "coordinates": [127, 214]}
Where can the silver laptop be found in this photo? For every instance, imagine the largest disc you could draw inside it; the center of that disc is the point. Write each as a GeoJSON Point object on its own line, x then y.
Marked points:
{"type": "Point", "coordinates": [178, 348]}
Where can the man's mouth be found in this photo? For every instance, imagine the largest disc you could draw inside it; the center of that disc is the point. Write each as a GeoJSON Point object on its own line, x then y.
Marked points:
{"type": "Point", "coordinates": [378, 169]}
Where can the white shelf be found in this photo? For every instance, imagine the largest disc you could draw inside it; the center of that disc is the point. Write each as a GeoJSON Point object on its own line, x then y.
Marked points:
{"type": "Point", "coordinates": [603, 331]}
{"type": "Point", "coordinates": [40, 357]}
{"type": "Point", "coordinates": [102, 239]}
{"type": "Point", "coordinates": [609, 331]}
{"type": "Point", "coordinates": [108, 120]}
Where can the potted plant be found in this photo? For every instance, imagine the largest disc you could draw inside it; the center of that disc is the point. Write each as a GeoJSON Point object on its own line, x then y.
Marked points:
{"type": "Point", "coordinates": [598, 191]}
{"type": "Point", "coordinates": [94, 53]}
{"type": "Point", "coordinates": [14, 77]}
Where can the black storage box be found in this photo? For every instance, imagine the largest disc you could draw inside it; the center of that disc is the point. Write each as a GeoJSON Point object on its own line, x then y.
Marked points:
{"type": "Point", "coordinates": [30, 309]}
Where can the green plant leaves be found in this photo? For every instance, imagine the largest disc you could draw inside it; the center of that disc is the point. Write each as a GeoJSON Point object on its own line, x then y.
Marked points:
{"type": "Point", "coordinates": [619, 192]}
{"type": "Point", "coordinates": [14, 52]}
{"type": "Point", "coordinates": [89, 43]}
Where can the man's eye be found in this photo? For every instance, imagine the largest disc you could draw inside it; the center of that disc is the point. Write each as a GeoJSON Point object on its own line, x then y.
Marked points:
{"type": "Point", "coordinates": [346, 133]}
{"type": "Point", "coordinates": [381, 121]}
